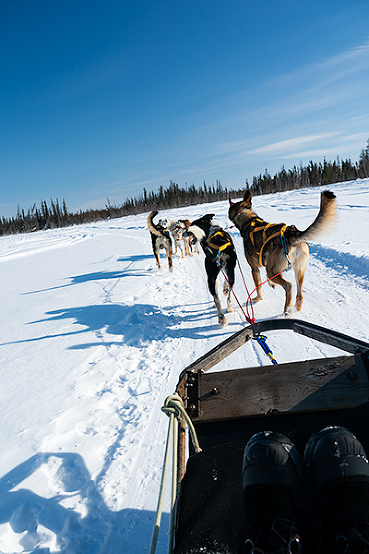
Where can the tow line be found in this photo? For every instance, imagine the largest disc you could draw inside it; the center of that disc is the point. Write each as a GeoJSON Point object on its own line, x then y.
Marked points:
{"type": "Point", "coordinates": [249, 314]}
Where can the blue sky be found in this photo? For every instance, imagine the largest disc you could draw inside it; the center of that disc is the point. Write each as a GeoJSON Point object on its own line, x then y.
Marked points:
{"type": "Point", "coordinates": [100, 99]}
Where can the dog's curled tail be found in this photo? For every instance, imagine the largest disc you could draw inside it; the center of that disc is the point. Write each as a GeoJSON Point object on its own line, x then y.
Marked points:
{"type": "Point", "coordinates": [151, 225]}
{"type": "Point", "coordinates": [325, 219]}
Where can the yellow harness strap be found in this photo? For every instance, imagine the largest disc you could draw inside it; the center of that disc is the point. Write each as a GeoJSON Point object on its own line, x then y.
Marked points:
{"type": "Point", "coordinates": [255, 229]}
{"type": "Point", "coordinates": [265, 239]}
{"type": "Point", "coordinates": [215, 246]}
{"type": "Point", "coordinates": [276, 234]}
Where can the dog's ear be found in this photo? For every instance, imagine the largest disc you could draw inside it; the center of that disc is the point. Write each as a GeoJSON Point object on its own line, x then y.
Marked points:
{"type": "Point", "coordinates": [208, 217]}
{"type": "Point", "coordinates": [230, 202]}
{"type": "Point", "coordinates": [247, 198]}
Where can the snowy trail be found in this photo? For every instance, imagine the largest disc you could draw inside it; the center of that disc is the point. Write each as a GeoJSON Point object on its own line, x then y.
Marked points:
{"type": "Point", "coordinates": [93, 340]}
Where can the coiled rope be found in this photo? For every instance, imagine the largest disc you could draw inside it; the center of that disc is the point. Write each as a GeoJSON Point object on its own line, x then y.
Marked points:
{"type": "Point", "coordinates": [173, 407]}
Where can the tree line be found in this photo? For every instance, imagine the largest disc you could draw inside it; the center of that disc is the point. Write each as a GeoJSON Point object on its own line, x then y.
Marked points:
{"type": "Point", "coordinates": [312, 175]}
{"type": "Point", "coordinates": [55, 214]}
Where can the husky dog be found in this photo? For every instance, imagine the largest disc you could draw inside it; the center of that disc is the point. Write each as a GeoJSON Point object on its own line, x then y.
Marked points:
{"type": "Point", "coordinates": [278, 246]}
{"type": "Point", "coordinates": [178, 233]}
{"type": "Point", "coordinates": [160, 238]}
{"type": "Point", "coordinates": [191, 244]}
{"type": "Point", "coordinates": [177, 229]}
{"type": "Point", "coordinates": [219, 254]}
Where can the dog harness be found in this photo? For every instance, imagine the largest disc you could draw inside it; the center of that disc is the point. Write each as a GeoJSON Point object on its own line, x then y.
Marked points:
{"type": "Point", "coordinates": [224, 242]}
{"type": "Point", "coordinates": [265, 238]}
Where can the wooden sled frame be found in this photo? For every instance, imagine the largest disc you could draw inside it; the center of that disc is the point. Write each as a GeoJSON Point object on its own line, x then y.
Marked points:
{"type": "Point", "coordinates": [218, 402]}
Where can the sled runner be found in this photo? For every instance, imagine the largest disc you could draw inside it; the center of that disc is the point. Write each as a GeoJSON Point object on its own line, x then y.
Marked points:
{"type": "Point", "coordinates": [226, 408]}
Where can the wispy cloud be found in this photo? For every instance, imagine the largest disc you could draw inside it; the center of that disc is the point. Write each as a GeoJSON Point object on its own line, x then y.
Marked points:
{"type": "Point", "coordinates": [287, 145]}
{"type": "Point", "coordinates": [344, 64]}
{"type": "Point", "coordinates": [332, 142]}
{"type": "Point", "coordinates": [318, 110]}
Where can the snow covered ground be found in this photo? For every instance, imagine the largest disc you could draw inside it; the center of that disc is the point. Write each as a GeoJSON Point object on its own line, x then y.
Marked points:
{"type": "Point", "coordinates": [93, 338]}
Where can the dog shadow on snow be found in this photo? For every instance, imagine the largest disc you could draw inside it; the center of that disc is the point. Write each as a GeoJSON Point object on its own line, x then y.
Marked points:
{"type": "Point", "coordinates": [39, 524]}
{"type": "Point", "coordinates": [103, 275]}
{"type": "Point", "coordinates": [134, 325]}
{"type": "Point", "coordinates": [139, 323]}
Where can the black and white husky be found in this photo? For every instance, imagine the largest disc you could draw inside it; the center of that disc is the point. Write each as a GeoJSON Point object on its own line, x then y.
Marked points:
{"type": "Point", "coordinates": [220, 254]}
{"type": "Point", "coordinates": [160, 238]}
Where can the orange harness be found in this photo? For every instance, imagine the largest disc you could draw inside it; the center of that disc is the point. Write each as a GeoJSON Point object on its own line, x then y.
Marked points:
{"type": "Point", "coordinates": [265, 238]}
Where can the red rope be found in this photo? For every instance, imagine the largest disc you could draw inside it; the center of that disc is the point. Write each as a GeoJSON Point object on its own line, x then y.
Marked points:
{"type": "Point", "coordinates": [249, 307]}
{"type": "Point", "coordinates": [249, 315]}
{"type": "Point", "coordinates": [247, 318]}
{"type": "Point", "coordinates": [249, 301]}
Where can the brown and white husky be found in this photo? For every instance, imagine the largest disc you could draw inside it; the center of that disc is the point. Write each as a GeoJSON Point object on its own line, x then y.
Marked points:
{"type": "Point", "coordinates": [278, 246]}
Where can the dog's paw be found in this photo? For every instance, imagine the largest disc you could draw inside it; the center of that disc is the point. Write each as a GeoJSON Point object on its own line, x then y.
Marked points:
{"type": "Point", "coordinates": [289, 310]}
{"type": "Point", "coordinates": [225, 288]}
{"type": "Point", "coordinates": [222, 320]}
{"type": "Point", "coordinates": [230, 309]}
{"type": "Point", "coordinates": [256, 299]}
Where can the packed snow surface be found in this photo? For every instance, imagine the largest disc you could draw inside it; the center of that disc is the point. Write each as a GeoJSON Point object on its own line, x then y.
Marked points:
{"type": "Point", "coordinates": [93, 338]}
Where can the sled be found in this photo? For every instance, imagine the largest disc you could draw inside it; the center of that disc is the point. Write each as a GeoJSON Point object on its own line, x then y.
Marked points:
{"type": "Point", "coordinates": [227, 407]}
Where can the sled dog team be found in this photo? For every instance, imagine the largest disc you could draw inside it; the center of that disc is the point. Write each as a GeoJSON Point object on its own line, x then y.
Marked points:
{"type": "Point", "coordinates": [275, 246]}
